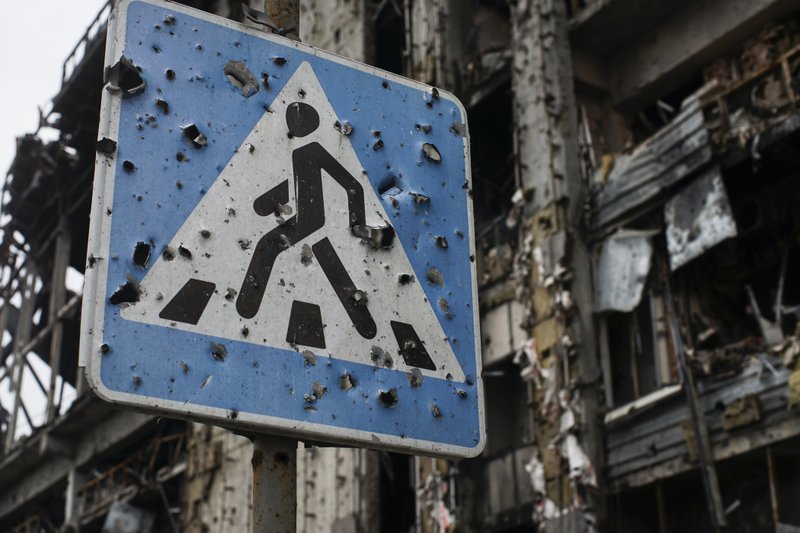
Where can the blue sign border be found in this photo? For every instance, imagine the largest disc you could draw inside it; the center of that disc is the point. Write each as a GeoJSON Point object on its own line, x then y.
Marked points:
{"type": "Point", "coordinates": [170, 370]}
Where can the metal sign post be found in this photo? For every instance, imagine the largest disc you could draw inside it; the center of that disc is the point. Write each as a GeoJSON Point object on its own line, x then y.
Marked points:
{"type": "Point", "coordinates": [281, 242]}
{"type": "Point", "coordinates": [275, 458]}
{"type": "Point", "coordinates": [274, 484]}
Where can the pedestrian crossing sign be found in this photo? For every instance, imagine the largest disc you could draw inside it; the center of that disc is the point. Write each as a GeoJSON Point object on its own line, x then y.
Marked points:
{"type": "Point", "coordinates": [281, 240]}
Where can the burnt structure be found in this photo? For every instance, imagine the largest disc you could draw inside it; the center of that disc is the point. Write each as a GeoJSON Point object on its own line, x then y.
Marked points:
{"type": "Point", "coordinates": [634, 174]}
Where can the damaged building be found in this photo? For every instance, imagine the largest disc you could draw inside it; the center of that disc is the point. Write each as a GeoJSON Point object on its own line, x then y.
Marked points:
{"type": "Point", "coordinates": [634, 170]}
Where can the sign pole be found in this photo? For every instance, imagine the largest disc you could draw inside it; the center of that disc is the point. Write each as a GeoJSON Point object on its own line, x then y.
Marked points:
{"type": "Point", "coordinates": [274, 484]}
{"type": "Point", "coordinates": [275, 458]}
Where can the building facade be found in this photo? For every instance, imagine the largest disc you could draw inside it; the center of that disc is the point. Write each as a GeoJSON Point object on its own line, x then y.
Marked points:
{"type": "Point", "coordinates": [634, 172]}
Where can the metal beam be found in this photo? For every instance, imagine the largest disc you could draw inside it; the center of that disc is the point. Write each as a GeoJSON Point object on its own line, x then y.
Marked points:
{"type": "Point", "coordinates": [664, 58]}
{"type": "Point", "coordinates": [21, 338]}
{"type": "Point", "coordinates": [57, 295]}
{"type": "Point", "coordinates": [705, 456]}
{"type": "Point", "coordinates": [46, 467]}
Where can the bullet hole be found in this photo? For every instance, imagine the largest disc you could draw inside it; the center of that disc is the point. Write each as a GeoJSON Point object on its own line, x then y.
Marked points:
{"type": "Point", "coordinates": [471, 258]}
{"type": "Point", "coordinates": [376, 133]}
{"type": "Point", "coordinates": [424, 128]}
{"type": "Point", "coordinates": [388, 185]}
{"type": "Point", "coordinates": [244, 244]}
{"type": "Point", "coordinates": [139, 198]}
{"type": "Point", "coordinates": [445, 307]}
{"type": "Point", "coordinates": [306, 255]}
{"type": "Point", "coordinates": [381, 357]}
{"type": "Point", "coordinates": [301, 93]}
{"type": "Point", "coordinates": [198, 46]}
{"type": "Point", "coordinates": [385, 84]}
{"type": "Point", "coordinates": [283, 210]}
{"type": "Point", "coordinates": [405, 279]}
{"type": "Point", "coordinates": [192, 133]}
{"type": "Point", "coordinates": [388, 398]}
{"type": "Point", "coordinates": [168, 254]}
{"type": "Point", "coordinates": [347, 381]}
{"type": "Point", "coordinates": [441, 242]}
{"type": "Point", "coordinates": [250, 148]}
{"type": "Point", "coordinates": [280, 61]}
{"type": "Point", "coordinates": [156, 49]}
{"type": "Point", "coordinates": [218, 351]}
{"type": "Point", "coordinates": [162, 105]}
{"type": "Point", "coordinates": [129, 293]}
{"type": "Point", "coordinates": [378, 145]}
{"type": "Point", "coordinates": [233, 415]}
{"type": "Point", "coordinates": [309, 359]}
{"type": "Point", "coordinates": [459, 128]}
{"type": "Point", "coordinates": [181, 157]}
{"type": "Point", "coordinates": [435, 411]}
{"type": "Point", "coordinates": [345, 128]}
{"type": "Point", "coordinates": [431, 152]}
{"type": "Point", "coordinates": [415, 378]}
{"type": "Point", "coordinates": [231, 211]}
{"type": "Point", "coordinates": [184, 252]}
{"type": "Point", "coordinates": [205, 382]}
{"type": "Point", "coordinates": [105, 348]}
{"type": "Point", "coordinates": [230, 294]}
{"type": "Point", "coordinates": [461, 393]}
{"type": "Point", "coordinates": [178, 184]}
{"type": "Point", "coordinates": [136, 381]}
{"type": "Point", "coordinates": [204, 233]}
{"type": "Point", "coordinates": [435, 276]}
{"type": "Point", "coordinates": [169, 20]}
{"type": "Point", "coordinates": [240, 77]}
{"type": "Point", "coordinates": [420, 198]}
{"type": "Point", "coordinates": [106, 146]}
{"type": "Point", "coordinates": [317, 392]}
{"type": "Point", "coordinates": [377, 237]}
{"type": "Point", "coordinates": [92, 260]}
{"type": "Point", "coordinates": [459, 234]}
{"type": "Point", "coordinates": [141, 254]}
{"type": "Point", "coordinates": [128, 166]}
{"type": "Point", "coordinates": [545, 224]}
{"type": "Point", "coordinates": [435, 93]}
{"type": "Point", "coordinates": [359, 297]}
{"type": "Point", "coordinates": [124, 76]}
{"type": "Point", "coordinates": [170, 74]}
{"type": "Point", "coordinates": [184, 367]}
{"type": "Point", "coordinates": [265, 80]}
{"type": "Point", "coordinates": [245, 331]}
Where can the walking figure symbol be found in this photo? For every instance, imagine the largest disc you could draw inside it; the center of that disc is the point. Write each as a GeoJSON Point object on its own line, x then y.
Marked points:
{"type": "Point", "coordinates": [308, 162]}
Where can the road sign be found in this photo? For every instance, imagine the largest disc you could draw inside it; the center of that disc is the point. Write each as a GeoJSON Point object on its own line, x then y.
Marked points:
{"type": "Point", "coordinates": [281, 240]}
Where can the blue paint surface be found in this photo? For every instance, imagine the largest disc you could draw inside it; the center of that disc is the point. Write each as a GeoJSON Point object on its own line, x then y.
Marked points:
{"type": "Point", "coordinates": [147, 206]}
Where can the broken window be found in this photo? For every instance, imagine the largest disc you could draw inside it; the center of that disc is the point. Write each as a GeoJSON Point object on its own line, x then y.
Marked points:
{"type": "Point", "coordinates": [641, 357]}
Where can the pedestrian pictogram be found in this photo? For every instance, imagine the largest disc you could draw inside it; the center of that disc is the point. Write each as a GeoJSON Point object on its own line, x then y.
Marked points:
{"type": "Point", "coordinates": [281, 240]}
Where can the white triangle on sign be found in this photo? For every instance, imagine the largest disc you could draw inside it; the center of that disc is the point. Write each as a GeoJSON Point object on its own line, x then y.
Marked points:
{"type": "Point", "coordinates": [196, 284]}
